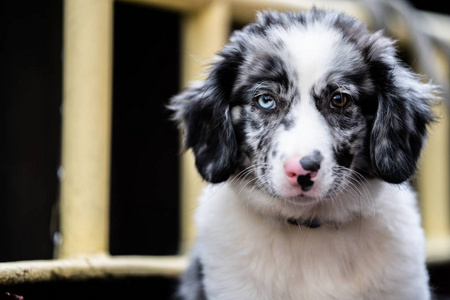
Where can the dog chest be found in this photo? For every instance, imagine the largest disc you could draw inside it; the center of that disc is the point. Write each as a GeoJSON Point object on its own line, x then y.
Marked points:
{"type": "Point", "coordinates": [247, 256]}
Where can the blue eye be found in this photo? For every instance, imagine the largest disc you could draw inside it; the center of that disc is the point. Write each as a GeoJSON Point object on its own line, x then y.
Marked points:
{"type": "Point", "coordinates": [266, 102]}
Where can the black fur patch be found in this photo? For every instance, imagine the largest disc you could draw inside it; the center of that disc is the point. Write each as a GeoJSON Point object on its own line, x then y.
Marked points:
{"type": "Point", "coordinates": [288, 123]}
{"type": "Point", "coordinates": [192, 287]}
{"type": "Point", "coordinates": [343, 157]}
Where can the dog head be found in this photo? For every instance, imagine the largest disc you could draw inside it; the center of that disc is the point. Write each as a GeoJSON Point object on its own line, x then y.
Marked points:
{"type": "Point", "coordinates": [305, 105]}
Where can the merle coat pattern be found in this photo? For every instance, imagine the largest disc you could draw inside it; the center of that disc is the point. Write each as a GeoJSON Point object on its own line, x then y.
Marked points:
{"type": "Point", "coordinates": [311, 123]}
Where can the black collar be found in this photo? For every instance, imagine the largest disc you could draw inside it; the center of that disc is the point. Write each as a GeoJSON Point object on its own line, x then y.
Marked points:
{"type": "Point", "coordinates": [311, 223]}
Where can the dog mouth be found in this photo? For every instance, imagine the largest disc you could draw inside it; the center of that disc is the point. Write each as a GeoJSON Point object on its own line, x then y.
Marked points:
{"type": "Point", "coordinates": [301, 200]}
{"type": "Point", "coordinates": [313, 194]}
{"type": "Point", "coordinates": [299, 196]}
{"type": "Point", "coordinates": [309, 189]}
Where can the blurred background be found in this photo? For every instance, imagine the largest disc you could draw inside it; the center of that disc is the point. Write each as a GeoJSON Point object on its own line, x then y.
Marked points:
{"type": "Point", "coordinates": [147, 64]}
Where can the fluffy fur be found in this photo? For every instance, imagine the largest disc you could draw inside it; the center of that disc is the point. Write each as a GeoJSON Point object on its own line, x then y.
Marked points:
{"type": "Point", "coordinates": [315, 85]}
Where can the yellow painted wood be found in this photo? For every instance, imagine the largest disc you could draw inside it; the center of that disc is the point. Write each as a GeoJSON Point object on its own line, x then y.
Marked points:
{"type": "Point", "coordinates": [433, 183]}
{"type": "Point", "coordinates": [243, 11]}
{"type": "Point", "coordinates": [86, 127]}
{"type": "Point", "coordinates": [433, 187]}
{"type": "Point", "coordinates": [91, 267]}
{"type": "Point", "coordinates": [204, 32]}
{"type": "Point", "coordinates": [177, 5]}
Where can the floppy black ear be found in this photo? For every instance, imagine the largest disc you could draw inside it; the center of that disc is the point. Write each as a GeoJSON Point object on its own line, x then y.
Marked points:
{"type": "Point", "coordinates": [404, 111]}
{"type": "Point", "coordinates": [204, 115]}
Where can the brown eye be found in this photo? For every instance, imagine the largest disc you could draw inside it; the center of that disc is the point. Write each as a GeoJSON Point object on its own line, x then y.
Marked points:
{"type": "Point", "coordinates": [339, 100]}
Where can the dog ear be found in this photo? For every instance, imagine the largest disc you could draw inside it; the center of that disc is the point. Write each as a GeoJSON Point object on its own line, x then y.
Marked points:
{"type": "Point", "coordinates": [404, 111]}
{"type": "Point", "coordinates": [203, 113]}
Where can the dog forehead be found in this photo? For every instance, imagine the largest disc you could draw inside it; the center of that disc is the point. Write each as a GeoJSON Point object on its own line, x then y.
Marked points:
{"type": "Point", "coordinates": [295, 56]}
{"type": "Point", "coordinates": [312, 52]}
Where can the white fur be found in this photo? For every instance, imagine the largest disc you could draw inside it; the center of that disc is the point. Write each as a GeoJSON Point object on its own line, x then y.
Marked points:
{"type": "Point", "coordinates": [312, 52]}
{"type": "Point", "coordinates": [249, 255]}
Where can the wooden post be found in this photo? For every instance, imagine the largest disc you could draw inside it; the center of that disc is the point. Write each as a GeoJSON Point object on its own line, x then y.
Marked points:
{"type": "Point", "coordinates": [433, 183]}
{"type": "Point", "coordinates": [204, 32]}
{"type": "Point", "coordinates": [86, 127]}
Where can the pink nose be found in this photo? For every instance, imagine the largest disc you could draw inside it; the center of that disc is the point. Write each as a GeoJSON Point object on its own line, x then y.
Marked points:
{"type": "Point", "coordinates": [293, 169]}
{"type": "Point", "coordinates": [301, 171]}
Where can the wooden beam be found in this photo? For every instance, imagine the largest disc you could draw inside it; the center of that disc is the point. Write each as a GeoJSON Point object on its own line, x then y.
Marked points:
{"type": "Point", "coordinates": [181, 6]}
{"type": "Point", "coordinates": [91, 267]}
{"type": "Point", "coordinates": [243, 11]}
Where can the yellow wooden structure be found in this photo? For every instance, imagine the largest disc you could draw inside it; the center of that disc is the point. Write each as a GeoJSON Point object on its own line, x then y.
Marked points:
{"type": "Point", "coordinates": [83, 252]}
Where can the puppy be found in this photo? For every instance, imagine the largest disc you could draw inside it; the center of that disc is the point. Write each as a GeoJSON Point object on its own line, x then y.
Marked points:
{"type": "Point", "coordinates": [310, 123]}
